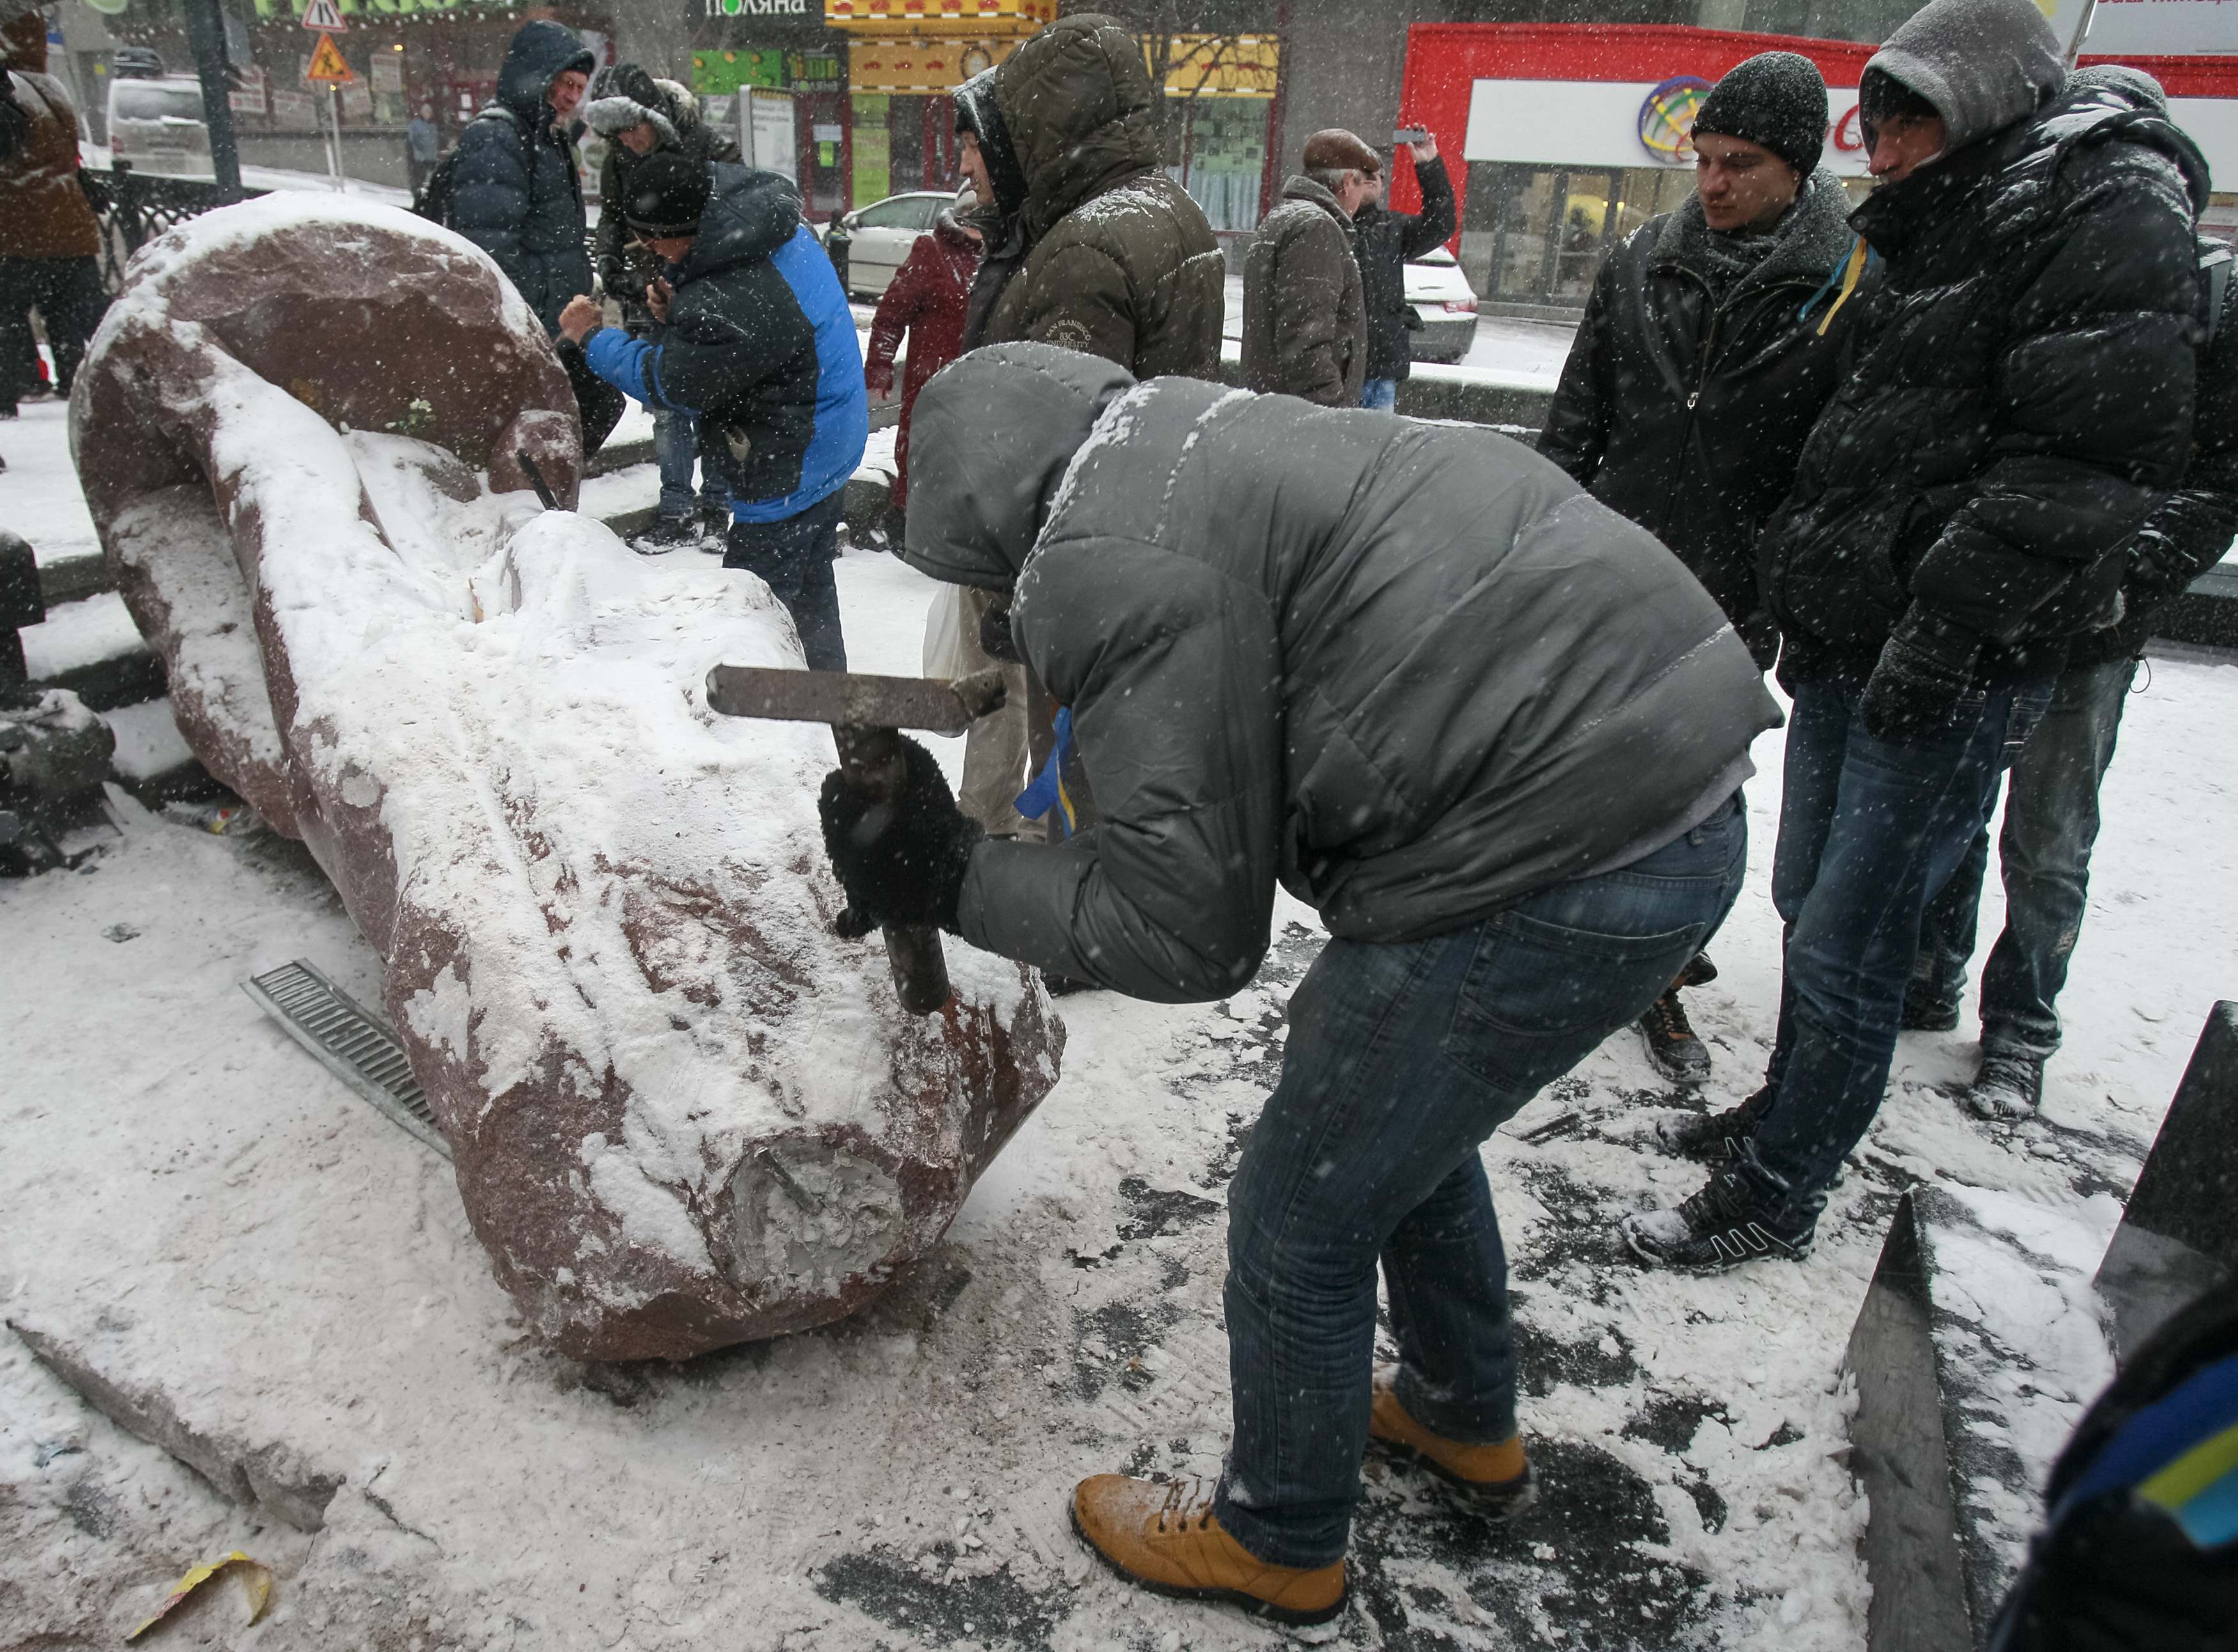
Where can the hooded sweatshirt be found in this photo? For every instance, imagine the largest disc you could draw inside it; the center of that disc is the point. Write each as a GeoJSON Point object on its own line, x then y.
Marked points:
{"type": "Point", "coordinates": [2022, 386]}
{"type": "Point", "coordinates": [1410, 669]}
{"type": "Point", "coordinates": [517, 195]}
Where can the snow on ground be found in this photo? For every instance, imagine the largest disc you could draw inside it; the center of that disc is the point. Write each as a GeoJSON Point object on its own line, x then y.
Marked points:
{"type": "Point", "coordinates": [39, 497]}
{"type": "Point", "coordinates": [202, 1206]}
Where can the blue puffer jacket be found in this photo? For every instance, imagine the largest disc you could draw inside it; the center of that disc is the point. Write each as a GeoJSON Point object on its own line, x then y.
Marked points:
{"type": "Point", "coordinates": [518, 197]}
{"type": "Point", "coordinates": [761, 345]}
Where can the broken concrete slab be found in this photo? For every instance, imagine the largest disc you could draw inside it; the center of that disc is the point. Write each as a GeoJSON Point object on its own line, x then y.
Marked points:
{"type": "Point", "coordinates": [2178, 1237]}
{"type": "Point", "coordinates": [274, 1475]}
{"type": "Point", "coordinates": [1978, 1345]}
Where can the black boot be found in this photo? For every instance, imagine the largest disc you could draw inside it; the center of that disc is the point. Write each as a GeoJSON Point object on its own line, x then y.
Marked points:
{"type": "Point", "coordinates": [1672, 1046]}
{"type": "Point", "coordinates": [2009, 1085]}
{"type": "Point", "coordinates": [1713, 1137]}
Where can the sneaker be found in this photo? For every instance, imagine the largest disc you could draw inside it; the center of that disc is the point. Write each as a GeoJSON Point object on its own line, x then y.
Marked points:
{"type": "Point", "coordinates": [1493, 1480]}
{"type": "Point", "coordinates": [2010, 1086]}
{"type": "Point", "coordinates": [714, 519]}
{"type": "Point", "coordinates": [1922, 1014]}
{"type": "Point", "coordinates": [1672, 1046]}
{"type": "Point", "coordinates": [666, 535]}
{"type": "Point", "coordinates": [1165, 1537]}
{"type": "Point", "coordinates": [1713, 1137]}
{"type": "Point", "coordinates": [1718, 1228]}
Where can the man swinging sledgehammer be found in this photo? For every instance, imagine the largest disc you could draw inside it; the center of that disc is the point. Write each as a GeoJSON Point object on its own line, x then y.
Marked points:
{"type": "Point", "coordinates": [1492, 730]}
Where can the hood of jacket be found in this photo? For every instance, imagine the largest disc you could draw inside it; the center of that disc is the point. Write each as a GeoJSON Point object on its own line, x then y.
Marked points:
{"type": "Point", "coordinates": [25, 40]}
{"type": "Point", "coordinates": [1299, 186]}
{"type": "Point", "coordinates": [1077, 104]}
{"type": "Point", "coordinates": [751, 214]}
{"type": "Point", "coordinates": [1983, 63]}
{"type": "Point", "coordinates": [1811, 239]}
{"type": "Point", "coordinates": [540, 54]}
{"type": "Point", "coordinates": [992, 436]}
{"type": "Point", "coordinates": [2138, 115]}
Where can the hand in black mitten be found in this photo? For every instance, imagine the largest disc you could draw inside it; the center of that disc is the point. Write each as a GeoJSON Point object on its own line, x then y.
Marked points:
{"type": "Point", "coordinates": [995, 635]}
{"type": "Point", "coordinates": [1926, 667]}
{"type": "Point", "coordinates": [901, 861]}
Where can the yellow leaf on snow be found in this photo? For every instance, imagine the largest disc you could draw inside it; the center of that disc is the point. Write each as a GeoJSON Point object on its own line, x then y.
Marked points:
{"type": "Point", "coordinates": [256, 1577]}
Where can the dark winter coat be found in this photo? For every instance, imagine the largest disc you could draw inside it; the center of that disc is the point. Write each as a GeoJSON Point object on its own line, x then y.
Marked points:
{"type": "Point", "coordinates": [44, 211]}
{"type": "Point", "coordinates": [2022, 390]}
{"type": "Point", "coordinates": [761, 345]}
{"type": "Point", "coordinates": [1691, 388]}
{"type": "Point", "coordinates": [680, 129]}
{"type": "Point", "coordinates": [1118, 260]}
{"type": "Point", "coordinates": [2191, 529]}
{"type": "Point", "coordinates": [925, 300]}
{"type": "Point", "coordinates": [516, 194]}
{"type": "Point", "coordinates": [1385, 241]}
{"type": "Point", "coordinates": [1305, 326]}
{"type": "Point", "coordinates": [1409, 669]}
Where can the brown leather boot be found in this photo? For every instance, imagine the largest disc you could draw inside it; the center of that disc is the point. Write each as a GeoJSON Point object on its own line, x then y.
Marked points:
{"type": "Point", "coordinates": [1495, 1480]}
{"type": "Point", "coordinates": [1165, 1537]}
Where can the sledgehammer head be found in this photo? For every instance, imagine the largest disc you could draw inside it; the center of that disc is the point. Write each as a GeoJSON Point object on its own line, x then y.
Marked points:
{"type": "Point", "coordinates": [865, 713]}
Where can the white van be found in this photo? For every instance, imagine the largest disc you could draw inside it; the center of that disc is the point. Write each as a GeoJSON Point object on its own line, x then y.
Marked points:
{"type": "Point", "coordinates": [157, 125]}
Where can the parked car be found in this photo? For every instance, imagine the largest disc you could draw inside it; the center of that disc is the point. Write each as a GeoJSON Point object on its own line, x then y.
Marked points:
{"type": "Point", "coordinates": [881, 235]}
{"type": "Point", "coordinates": [1443, 298]}
{"type": "Point", "coordinates": [157, 125]}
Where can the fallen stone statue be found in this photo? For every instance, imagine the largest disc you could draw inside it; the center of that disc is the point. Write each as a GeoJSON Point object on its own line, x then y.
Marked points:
{"type": "Point", "coordinates": [683, 1113]}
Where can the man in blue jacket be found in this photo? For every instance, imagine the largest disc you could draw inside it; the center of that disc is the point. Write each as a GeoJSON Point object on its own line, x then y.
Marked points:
{"type": "Point", "coordinates": [756, 340]}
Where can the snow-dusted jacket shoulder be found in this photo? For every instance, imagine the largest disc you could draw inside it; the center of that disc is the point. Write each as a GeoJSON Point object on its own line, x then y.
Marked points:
{"type": "Point", "coordinates": [2022, 392]}
{"type": "Point", "coordinates": [1411, 671]}
{"type": "Point", "coordinates": [1119, 260]}
{"type": "Point", "coordinates": [517, 195]}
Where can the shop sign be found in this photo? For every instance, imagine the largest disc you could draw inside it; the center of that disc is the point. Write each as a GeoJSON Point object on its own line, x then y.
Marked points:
{"type": "Point", "coordinates": [1667, 118]}
{"type": "Point", "coordinates": [1218, 65]}
{"type": "Point", "coordinates": [919, 67]}
{"type": "Point", "coordinates": [795, 10]}
{"type": "Point", "coordinates": [942, 17]}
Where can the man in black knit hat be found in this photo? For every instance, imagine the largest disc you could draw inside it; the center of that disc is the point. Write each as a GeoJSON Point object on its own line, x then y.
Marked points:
{"type": "Point", "coordinates": [1709, 345]}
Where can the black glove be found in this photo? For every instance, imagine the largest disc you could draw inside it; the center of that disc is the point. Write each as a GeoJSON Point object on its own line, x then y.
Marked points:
{"type": "Point", "coordinates": [902, 862]}
{"type": "Point", "coordinates": [1926, 667]}
{"type": "Point", "coordinates": [995, 635]}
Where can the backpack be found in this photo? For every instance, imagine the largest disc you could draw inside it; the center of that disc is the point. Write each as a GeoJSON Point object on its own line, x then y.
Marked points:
{"type": "Point", "coordinates": [438, 197]}
{"type": "Point", "coordinates": [2214, 265]}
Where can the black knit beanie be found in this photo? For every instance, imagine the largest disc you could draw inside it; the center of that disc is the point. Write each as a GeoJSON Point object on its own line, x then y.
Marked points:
{"type": "Point", "coordinates": [1777, 99]}
{"type": "Point", "coordinates": [668, 192]}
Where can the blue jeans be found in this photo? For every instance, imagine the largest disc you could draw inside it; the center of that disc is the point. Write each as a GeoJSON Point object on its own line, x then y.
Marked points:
{"type": "Point", "coordinates": [2051, 823]}
{"type": "Point", "coordinates": [1402, 1058]}
{"type": "Point", "coordinates": [793, 557]}
{"type": "Point", "coordinates": [1868, 828]}
{"type": "Point", "coordinates": [1382, 394]}
{"type": "Point", "coordinates": [676, 447]}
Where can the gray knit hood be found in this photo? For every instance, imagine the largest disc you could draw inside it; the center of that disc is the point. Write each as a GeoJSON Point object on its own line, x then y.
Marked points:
{"type": "Point", "coordinates": [1983, 63]}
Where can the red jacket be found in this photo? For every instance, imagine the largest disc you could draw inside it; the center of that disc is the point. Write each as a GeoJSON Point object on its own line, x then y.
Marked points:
{"type": "Point", "coordinates": [926, 300]}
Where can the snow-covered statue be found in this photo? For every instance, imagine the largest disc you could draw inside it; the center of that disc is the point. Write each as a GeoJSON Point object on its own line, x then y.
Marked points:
{"type": "Point", "coordinates": [683, 1113]}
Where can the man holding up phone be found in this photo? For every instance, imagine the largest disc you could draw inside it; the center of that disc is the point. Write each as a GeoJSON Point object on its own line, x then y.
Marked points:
{"type": "Point", "coordinates": [1385, 242]}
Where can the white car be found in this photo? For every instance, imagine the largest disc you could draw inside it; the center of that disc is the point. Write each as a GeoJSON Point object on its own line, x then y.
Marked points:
{"type": "Point", "coordinates": [1443, 298]}
{"type": "Point", "coordinates": [157, 125]}
{"type": "Point", "coordinates": [881, 235]}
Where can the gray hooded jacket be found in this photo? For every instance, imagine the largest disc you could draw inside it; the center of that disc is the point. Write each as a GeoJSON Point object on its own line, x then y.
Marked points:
{"type": "Point", "coordinates": [1983, 63]}
{"type": "Point", "coordinates": [1411, 669]}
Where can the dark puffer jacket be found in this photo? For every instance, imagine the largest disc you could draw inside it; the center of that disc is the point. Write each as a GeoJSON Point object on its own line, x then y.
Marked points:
{"type": "Point", "coordinates": [1692, 386]}
{"type": "Point", "coordinates": [1118, 260]}
{"type": "Point", "coordinates": [1305, 327]}
{"type": "Point", "coordinates": [1385, 241]}
{"type": "Point", "coordinates": [1409, 669]}
{"type": "Point", "coordinates": [761, 345]}
{"type": "Point", "coordinates": [2022, 390]}
{"type": "Point", "coordinates": [674, 115]}
{"type": "Point", "coordinates": [517, 195]}
{"type": "Point", "coordinates": [2191, 530]}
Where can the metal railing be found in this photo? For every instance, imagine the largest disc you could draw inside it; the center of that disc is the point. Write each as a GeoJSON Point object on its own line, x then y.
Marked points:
{"type": "Point", "coordinates": [133, 208]}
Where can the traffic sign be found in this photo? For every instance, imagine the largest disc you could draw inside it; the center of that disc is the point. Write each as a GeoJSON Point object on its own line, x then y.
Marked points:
{"type": "Point", "coordinates": [324, 15]}
{"type": "Point", "coordinates": [328, 65]}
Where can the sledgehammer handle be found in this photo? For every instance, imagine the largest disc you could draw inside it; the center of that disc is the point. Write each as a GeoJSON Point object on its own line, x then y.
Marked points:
{"type": "Point", "coordinates": [871, 763]}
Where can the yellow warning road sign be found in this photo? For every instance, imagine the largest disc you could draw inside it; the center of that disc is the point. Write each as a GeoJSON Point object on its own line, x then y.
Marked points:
{"type": "Point", "coordinates": [328, 65]}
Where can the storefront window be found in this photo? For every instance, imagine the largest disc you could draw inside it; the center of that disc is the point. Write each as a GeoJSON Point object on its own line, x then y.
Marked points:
{"type": "Point", "coordinates": [1223, 146]}
{"type": "Point", "coordinates": [1534, 237]}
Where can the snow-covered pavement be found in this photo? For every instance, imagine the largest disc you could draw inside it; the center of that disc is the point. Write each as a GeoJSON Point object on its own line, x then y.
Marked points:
{"type": "Point", "coordinates": [265, 1269]}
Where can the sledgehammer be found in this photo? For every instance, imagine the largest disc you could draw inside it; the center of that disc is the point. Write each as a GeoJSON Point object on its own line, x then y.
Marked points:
{"type": "Point", "coordinates": [867, 714]}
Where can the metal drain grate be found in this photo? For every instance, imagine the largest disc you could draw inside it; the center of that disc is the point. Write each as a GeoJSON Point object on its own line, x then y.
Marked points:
{"type": "Point", "coordinates": [349, 1042]}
